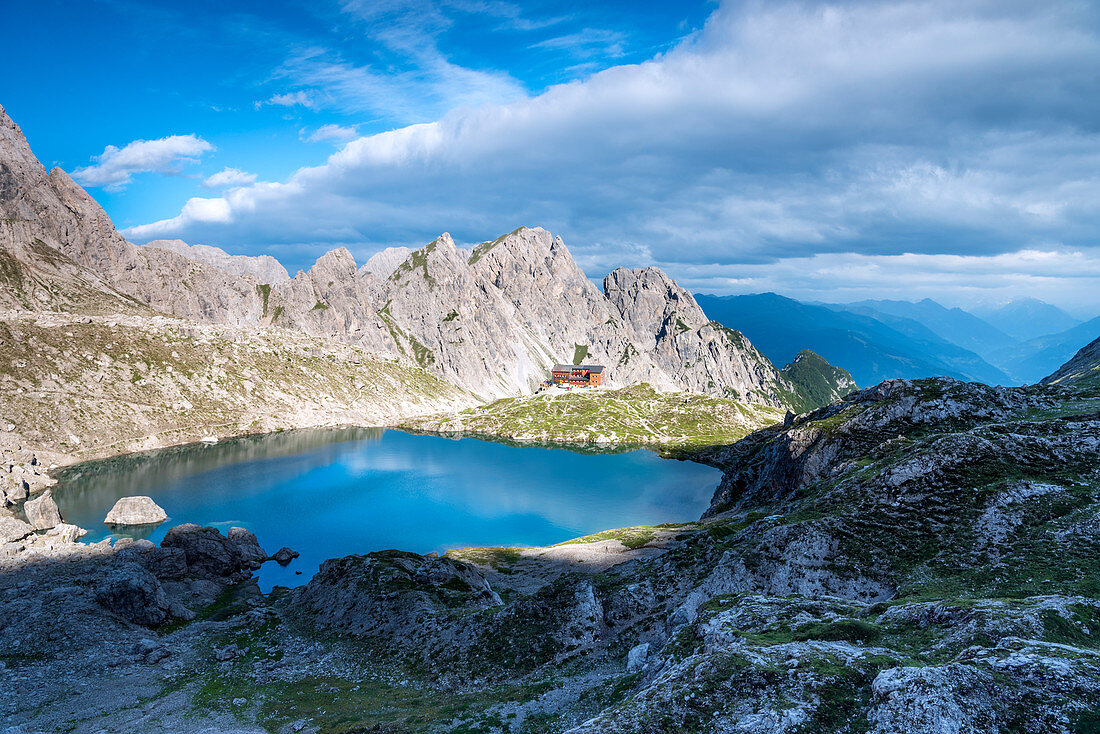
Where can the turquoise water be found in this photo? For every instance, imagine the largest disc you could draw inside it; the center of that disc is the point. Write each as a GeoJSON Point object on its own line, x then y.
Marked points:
{"type": "Point", "coordinates": [331, 492]}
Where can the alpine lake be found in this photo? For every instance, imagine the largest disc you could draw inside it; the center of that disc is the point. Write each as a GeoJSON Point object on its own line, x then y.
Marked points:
{"type": "Point", "coordinates": [328, 493]}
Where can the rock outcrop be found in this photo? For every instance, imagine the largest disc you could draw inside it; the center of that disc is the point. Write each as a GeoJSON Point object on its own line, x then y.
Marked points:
{"type": "Point", "coordinates": [252, 555]}
{"type": "Point", "coordinates": [134, 594]}
{"type": "Point", "coordinates": [137, 510]}
{"type": "Point", "coordinates": [51, 229]}
{"type": "Point", "coordinates": [261, 268]}
{"type": "Point", "coordinates": [206, 550]}
{"type": "Point", "coordinates": [12, 529]}
{"type": "Point", "coordinates": [491, 321]}
{"type": "Point", "coordinates": [42, 511]}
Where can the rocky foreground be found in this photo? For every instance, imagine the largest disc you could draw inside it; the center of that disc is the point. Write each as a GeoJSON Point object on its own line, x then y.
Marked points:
{"type": "Point", "coordinates": [920, 557]}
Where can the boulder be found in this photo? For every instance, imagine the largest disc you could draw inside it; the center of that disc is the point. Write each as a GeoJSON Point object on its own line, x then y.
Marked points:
{"type": "Point", "coordinates": [42, 512]}
{"type": "Point", "coordinates": [67, 533]}
{"type": "Point", "coordinates": [134, 594]}
{"type": "Point", "coordinates": [164, 563]}
{"type": "Point", "coordinates": [139, 510]}
{"type": "Point", "coordinates": [284, 556]}
{"type": "Point", "coordinates": [207, 551]}
{"type": "Point", "coordinates": [13, 529]}
{"type": "Point", "coordinates": [251, 552]}
{"type": "Point", "coordinates": [636, 658]}
{"type": "Point", "coordinates": [15, 491]}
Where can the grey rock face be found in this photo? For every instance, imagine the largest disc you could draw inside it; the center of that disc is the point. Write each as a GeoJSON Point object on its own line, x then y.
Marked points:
{"type": "Point", "coordinates": [382, 263]}
{"type": "Point", "coordinates": [262, 268]}
{"type": "Point", "coordinates": [249, 548]}
{"type": "Point", "coordinates": [134, 594]}
{"type": "Point", "coordinates": [366, 595]}
{"type": "Point", "coordinates": [284, 556]}
{"type": "Point", "coordinates": [13, 529]}
{"type": "Point", "coordinates": [491, 321]}
{"type": "Point", "coordinates": [164, 563]}
{"type": "Point", "coordinates": [42, 511]}
{"type": "Point", "coordinates": [136, 510]}
{"type": "Point", "coordinates": [52, 223]}
{"type": "Point", "coordinates": [207, 550]}
{"type": "Point", "coordinates": [636, 658]}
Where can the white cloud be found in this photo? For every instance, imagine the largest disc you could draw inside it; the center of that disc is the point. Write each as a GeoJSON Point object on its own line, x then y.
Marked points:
{"type": "Point", "coordinates": [1056, 275]}
{"type": "Point", "coordinates": [780, 133]}
{"type": "Point", "coordinates": [228, 177]}
{"type": "Point", "coordinates": [300, 98]}
{"type": "Point", "coordinates": [115, 167]}
{"type": "Point", "coordinates": [197, 210]}
{"type": "Point", "coordinates": [331, 132]}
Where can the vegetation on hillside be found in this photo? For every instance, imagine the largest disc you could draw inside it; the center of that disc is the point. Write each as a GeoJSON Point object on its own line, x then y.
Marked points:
{"type": "Point", "coordinates": [638, 414]}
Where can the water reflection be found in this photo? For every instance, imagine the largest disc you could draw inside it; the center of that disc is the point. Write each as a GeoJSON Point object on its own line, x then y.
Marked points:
{"type": "Point", "coordinates": [331, 492]}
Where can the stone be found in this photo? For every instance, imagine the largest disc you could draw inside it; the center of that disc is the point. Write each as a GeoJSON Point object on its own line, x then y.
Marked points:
{"type": "Point", "coordinates": [207, 551]}
{"type": "Point", "coordinates": [149, 651]}
{"type": "Point", "coordinates": [636, 658]}
{"type": "Point", "coordinates": [179, 611]}
{"type": "Point", "coordinates": [67, 533]}
{"type": "Point", "coordinates": [13, 529]}
{"type": "Point", "coordinates": [251, 552]}
{"type": "Point", "coordinates": [226, 653]}
{"type": "Point", "coordinates": [164, 563]}
{"type": "Point", "coordinates": [134, 594]}
{"type": "Point", "coordinates": [42, 511]}
{"type": "Point", "coordinates": [137, 510]}
{"type": "Point", "coordinates": [284, 556]}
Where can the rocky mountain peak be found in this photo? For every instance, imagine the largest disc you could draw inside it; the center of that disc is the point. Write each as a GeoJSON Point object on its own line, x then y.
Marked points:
{"type": "Point", "coordinates": [339, 264]}
{"type": "Point", "coordinates": [263, 268]}
{"type": "Point", "coordinates": [650, 301]}
{"type": "Point", "coordinates": [386, 261]}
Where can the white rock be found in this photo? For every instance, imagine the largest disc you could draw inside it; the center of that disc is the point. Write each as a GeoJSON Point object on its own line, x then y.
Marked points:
{"type": "Point", "coordinates": [138, 510]}
{"type": "Point", "coordinates": [42, 511]}
{"type": "Point", "coordinates": [636, 658]}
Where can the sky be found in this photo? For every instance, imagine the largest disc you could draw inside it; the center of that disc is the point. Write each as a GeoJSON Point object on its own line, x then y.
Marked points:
{"type": "Point", "coordinates": [825, 151]}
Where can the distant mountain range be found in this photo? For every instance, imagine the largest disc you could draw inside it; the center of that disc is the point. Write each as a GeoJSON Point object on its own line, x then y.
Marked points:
{"type": "Point", "coordinates": [1028, 318]}
{"type": "Point", "coordinates": [1021, 342]}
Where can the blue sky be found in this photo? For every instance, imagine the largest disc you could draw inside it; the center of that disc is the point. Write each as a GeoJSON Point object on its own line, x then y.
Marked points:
{"type": "Point", "coordinates": [826, 151]}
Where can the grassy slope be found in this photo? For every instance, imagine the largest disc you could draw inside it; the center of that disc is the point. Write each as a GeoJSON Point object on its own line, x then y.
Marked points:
{"type": "Point", "coordinates": [631, 415]}
{"type": "Point", "coordinates": [817, 383]}
{"type": "Point", "coordinates": [127, 383]}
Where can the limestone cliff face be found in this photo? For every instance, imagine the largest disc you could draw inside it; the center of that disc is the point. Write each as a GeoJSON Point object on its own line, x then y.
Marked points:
{"type": "Point", "coordinates": [386, 261]}
{"type": "Point", "coordinates": [262, 268]}
{"type": "Point", "coordinates": [52, 211]}
{"type": "Point", "coordinates": [492, 320]}
{"type": "Point", "coordinates": [333, 299]}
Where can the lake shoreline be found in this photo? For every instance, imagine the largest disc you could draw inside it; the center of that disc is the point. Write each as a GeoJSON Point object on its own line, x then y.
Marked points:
{"type": "Point", "coordinates": [341, 490]}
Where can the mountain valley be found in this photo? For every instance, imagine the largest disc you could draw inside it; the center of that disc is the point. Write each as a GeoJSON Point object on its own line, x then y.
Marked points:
{"type": "Point", "coordinates": [919, 555]}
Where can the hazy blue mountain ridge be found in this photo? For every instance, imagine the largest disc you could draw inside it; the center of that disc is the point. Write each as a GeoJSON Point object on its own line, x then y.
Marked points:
{"type": "Point", "coordinates": [1027, 318]}
{"type": "Point", "coordinates": [870, 349]}
{"type": "Point", "coordinates": [952, 324]}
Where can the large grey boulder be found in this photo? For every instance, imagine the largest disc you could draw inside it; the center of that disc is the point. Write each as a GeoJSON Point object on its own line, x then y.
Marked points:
{"type": "Point", "coordinates": [251, 552]}
{"type": "Point", "coordinates": [207, 550]}
{"type": "Point", "coordinates": [138, 510]}
{"type": "Point", "coordinates": [134, 594]}
{"type": "Point", "coordinates": [12, 528]}
{"type": "Point", "coordinates": [164, 563]}
{"type": "Point", "coordinates": [42, 512]}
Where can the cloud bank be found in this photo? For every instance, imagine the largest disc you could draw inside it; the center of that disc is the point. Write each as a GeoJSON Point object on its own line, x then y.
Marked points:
{"type": "Point", "coordinates": [783, 135]}
{"type": "Point", "coordinates": [115, 167]}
